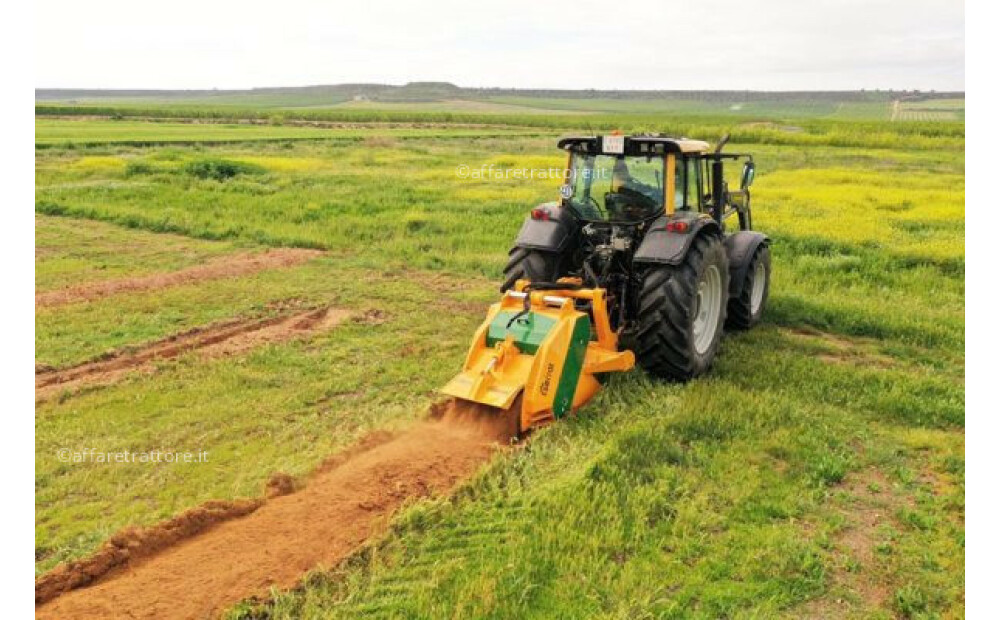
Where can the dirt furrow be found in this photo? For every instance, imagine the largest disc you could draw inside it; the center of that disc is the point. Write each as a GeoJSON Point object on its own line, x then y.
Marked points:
{"type": "Point", "coordinates": [225, 267]}
{"type": "Point", "coordinates": [219, 340]}
{"type": "Point", "coordinates": [342, 505]}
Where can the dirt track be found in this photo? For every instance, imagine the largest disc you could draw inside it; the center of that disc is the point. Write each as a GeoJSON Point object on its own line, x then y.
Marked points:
{"type": "Point", "coordinates": [219, 340]}
{"type": "Point", "coordinates": [226, 267]}
{"type": "Point", "coordinates": [342, 505]}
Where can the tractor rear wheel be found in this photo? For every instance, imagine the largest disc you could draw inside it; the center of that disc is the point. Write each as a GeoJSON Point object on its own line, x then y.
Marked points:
{"type": "Point", "coordinates": [682, 309]}
{"type": "Point", "coordinates": [534, 265]}
{"type": "Point", "coordinates": [746, 310]}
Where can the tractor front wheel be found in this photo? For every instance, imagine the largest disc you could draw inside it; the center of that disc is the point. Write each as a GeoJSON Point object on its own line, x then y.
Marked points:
{"type": "Point", "coordinates": [746, 309]}
{"type": "Point", "coordinates": [682, 309]}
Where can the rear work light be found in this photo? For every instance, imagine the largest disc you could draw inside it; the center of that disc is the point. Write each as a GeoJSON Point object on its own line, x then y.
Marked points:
{"type": "Point", "coordinates": [678, 226]}
{"type": "Point", "coordinates": [539, 214]}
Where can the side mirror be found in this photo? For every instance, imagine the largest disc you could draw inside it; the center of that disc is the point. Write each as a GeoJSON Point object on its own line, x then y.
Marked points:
{"type": "Point", "coordinates": [746, 178]}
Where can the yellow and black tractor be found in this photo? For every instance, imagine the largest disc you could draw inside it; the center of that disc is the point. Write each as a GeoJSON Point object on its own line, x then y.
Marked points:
{"type": "Point", "coordinates": [634, 263]}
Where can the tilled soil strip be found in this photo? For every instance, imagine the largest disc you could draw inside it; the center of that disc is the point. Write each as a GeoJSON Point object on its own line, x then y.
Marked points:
{"type": "Point", "coordinates": [218, 340]}
{"type": "Point", "coordinates": [341, 506]}
{"type": "Point", "coordinates": [225, 267]}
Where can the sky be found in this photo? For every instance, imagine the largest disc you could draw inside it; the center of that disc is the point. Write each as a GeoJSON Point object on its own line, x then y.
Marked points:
{"type": "Point", "coordinates": [609, 44]}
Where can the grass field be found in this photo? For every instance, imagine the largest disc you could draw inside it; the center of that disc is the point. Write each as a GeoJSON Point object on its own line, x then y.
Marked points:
{"type": "Point", "coordinates": [448, 98]}
{"type": "Point", "coordinates": [818, 471]}
{"type": "Point", "coordinates": [96, 125]}
{"type": "Point", "coordinates": [102, 132]}
{"type": "Point", "coordinates": [933, 110]}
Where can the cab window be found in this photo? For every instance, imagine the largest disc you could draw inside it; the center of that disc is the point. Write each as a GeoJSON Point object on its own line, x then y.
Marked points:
{"type": "Point", "coordinates": [615, 188]}
{"type": "Point", "coordinates": [692, 184]}
{"type": "Point", "coordinates": [680, 175]}
{"type": "Point", "coordinates": [687, 184]}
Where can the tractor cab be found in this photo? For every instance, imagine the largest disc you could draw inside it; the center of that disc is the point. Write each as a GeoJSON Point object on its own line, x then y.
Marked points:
{"type": "Point", "coordinates": [635, 178]}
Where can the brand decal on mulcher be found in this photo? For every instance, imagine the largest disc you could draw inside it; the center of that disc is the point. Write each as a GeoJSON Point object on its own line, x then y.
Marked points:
{"type": "Point", "coordinates": [544, 388]}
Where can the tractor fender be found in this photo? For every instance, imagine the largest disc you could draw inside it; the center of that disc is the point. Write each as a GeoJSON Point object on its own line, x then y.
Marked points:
{"type": "Point", "coordinates": [554, 233]}
{"type": "Point", "coordinates": [740, 247]}
{"type": "Point", "coordinates": [660, 245]}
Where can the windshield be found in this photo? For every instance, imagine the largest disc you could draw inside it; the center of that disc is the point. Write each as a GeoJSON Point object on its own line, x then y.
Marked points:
{"type": "Point", "coordinates": [615, 187]}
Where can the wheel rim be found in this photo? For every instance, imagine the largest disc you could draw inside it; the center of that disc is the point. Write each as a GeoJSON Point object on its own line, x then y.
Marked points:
{"type": "Point", "coordinates": [708, 305]}
{"type": "Point", "coordinates": [757, 292]}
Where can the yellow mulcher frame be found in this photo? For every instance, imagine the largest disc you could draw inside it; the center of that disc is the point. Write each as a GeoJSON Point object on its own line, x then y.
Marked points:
{"type": "Point", "coordinates": [539, 345]}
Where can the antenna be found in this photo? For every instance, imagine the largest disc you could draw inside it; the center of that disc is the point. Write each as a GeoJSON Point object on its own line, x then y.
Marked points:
{"type": "Point", "coordinates": [722, 143]}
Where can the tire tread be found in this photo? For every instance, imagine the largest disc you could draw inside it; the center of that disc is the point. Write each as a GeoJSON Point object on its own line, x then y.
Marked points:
{"type": "Point", "coordinates": [663, 345]}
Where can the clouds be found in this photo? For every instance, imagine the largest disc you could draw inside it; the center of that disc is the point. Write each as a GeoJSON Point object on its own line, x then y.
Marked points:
{"type": "Point", "coordinates": [723, 44]}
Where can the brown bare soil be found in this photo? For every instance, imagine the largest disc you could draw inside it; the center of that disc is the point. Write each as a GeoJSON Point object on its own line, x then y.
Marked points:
{"type": "Point", "coordinates": [873, 506]}
{"type": "Point", "coordinates": [348, 500]}
{"type": "Point", "coordinates": [226, 267]}
{"type": "Point", "coordinates": [131, 545]}
{"type": "Point", "coordinates": [858, 581]}
{"type": "Point", "coordinates": [220, 340]}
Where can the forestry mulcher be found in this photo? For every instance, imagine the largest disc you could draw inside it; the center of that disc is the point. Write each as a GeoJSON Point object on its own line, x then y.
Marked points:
{"type": "Point", "coordinates": [635, 263]}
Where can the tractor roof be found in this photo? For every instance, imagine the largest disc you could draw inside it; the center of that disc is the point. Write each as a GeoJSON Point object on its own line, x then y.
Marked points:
{"type": "Point", "coordinates": [636, 145]}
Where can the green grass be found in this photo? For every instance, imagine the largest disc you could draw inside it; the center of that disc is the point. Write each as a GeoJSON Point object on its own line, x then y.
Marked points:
{"type": "Point", "coordinates": [69, 251]}
{"type": "Point", "coordinates": [738, 107]}
{"type": "Point", "coordinates": [856, 106]}
{"type": "Point", "coordinates": [737, 495]}
{"type": "Point", "coordinates": [752, 129]}
{"type": "Point", "coordinates": [863, 110]}
{"type": "Point", "coordinates": [67, 335]}
{"type": "Point", "coordinates": [865, 252]}
{"type": "Point", "coordinates": [488, 106]}
{"type": "Point", "coordinates": [717, 499]}
{"type": "Point", "coordinates": [407, 203]}
{"type": "Point", "coordinates": [282, 407]}
{"type": "Point", "coordinates": [932, 110]}
{"type": "Point", "coordinates": [89, 132]}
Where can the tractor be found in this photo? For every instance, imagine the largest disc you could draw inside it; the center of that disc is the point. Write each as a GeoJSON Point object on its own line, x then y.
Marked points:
{"type": "Point", "coordinates": [640, 260]}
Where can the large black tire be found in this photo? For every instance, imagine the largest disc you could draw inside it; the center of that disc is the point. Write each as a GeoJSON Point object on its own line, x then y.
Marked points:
{"type": "Point", "coordinates": [670, 309]}
{"type": "Point", "coordinates": [746, 309]}
{"type": "Point", "coordinates": [534, 265]}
